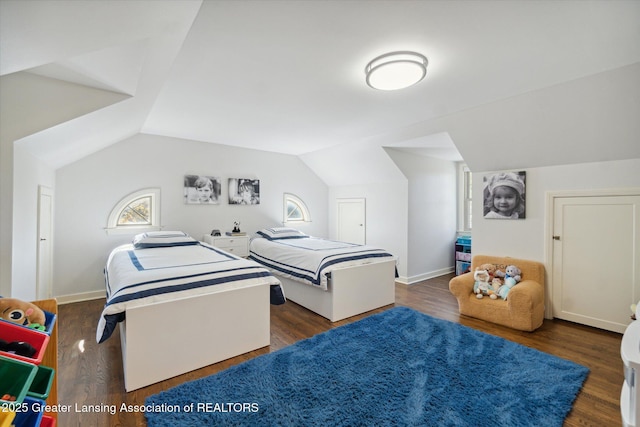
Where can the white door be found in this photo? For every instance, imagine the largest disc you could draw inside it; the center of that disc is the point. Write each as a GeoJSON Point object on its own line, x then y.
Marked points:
{"type": "Point", "coordinates": [351, 221]}
{"type": "Point", "coordinates": [45, 243]}
{"type": "Point", "coordinates": [596, 259]}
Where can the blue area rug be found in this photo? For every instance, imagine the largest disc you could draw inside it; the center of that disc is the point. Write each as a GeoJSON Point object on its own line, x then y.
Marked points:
{"type": "Point", "coordinates": [396, 368]}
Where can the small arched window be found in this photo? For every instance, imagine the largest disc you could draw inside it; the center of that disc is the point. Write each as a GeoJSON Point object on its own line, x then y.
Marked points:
{"type": "Point", "coordinates": [136, 212]}
{"type": "Point", "coordinates": [295, 209]}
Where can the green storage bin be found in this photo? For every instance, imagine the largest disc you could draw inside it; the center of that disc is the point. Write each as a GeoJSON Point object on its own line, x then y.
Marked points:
{"type": "Point", "coordinates": [41, 384]}
{"type": "Point", "coordinates": [15, 379]}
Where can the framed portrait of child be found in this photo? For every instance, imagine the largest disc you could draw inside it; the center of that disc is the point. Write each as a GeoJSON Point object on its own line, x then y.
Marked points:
{"type": "Point", "coordinates": [201, 190]}
{"type": "Point", "coordinates": [504, 195]}
{"type": "Point", "coordinates": [244, 191]}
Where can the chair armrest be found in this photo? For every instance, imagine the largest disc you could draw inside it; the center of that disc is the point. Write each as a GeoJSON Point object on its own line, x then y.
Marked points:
{"type": "Point", "coordinates": [525, 295]}
{"type": "Point", "coordinates": [462, 285]}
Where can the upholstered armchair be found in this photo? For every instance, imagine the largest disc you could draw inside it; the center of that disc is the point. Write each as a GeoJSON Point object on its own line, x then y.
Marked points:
{"type": "Point", "coordinates": [524, 307]}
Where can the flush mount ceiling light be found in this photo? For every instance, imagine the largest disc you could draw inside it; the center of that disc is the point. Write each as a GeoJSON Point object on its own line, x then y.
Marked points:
{"type": "Point", "coordinates": [396, 70]}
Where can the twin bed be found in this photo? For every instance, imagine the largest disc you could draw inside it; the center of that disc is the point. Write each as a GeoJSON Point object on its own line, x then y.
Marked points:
{"type": "Point", "coordinates": [334, 279]}
{"type": "Point", "coordinates": [181, 304]}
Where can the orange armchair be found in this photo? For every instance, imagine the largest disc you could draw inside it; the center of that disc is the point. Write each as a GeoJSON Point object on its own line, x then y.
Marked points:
{"type": "Point", "coordinates": [524, 307]}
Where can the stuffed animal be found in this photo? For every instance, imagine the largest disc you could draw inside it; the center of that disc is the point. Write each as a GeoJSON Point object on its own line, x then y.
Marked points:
{"type": "Point", "coordinates": [491, 269]}
{"type": "Point", "coordinates": [482, 286]}
{"type": "Point", "coordinates": [513, 271]}
{"type": "Point", "coordinates": [21, 312]}
{"type": "Point", "coordinates": [512, 276]}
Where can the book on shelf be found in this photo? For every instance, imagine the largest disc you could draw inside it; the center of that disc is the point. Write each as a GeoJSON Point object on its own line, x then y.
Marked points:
{"type": "Point", "coordinates": [236, 233]}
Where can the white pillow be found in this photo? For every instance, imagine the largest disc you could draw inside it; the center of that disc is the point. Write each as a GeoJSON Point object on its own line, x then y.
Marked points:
{"type": "Point", "coordinates": [277, 233]}
{"type": "Point", "coordinates": [161, 239]}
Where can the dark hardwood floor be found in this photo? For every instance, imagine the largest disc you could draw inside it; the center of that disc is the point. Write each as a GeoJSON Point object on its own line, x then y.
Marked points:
{"type": "Point", "coordinates": [91, 374]}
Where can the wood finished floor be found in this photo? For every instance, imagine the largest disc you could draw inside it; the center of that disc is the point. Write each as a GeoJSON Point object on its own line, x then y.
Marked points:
{"type": "Point", "coordinates": [94, 376]}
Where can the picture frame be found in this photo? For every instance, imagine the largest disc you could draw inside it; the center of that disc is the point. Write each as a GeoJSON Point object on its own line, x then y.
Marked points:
{"type": "Point", "coordinates": [244, 191]}
{"type": "Point", "coordinates": [504, 195]}
{"type": "Point", "coordinates": [202, 190]}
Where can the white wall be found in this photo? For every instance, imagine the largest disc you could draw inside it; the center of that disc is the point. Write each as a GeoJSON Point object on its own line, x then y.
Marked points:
{"type": "Point", "coordinates": [88, 189]}
{"type": "Point", "coordinates": [525, 238]}
{"type": "Point", "coordinates": [432, 213]}
{"type": "Point", "coordinates": [29, 104]}
{"type": "Point", "coordinates": [29, 173]}
{"type": "Point", "coordinates": [386, 216]}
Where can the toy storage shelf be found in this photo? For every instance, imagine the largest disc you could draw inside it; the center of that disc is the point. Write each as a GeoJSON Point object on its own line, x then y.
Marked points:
{"type": "Point", "coordinates": [50, 357]}
{"type": "Point", "coordinates": [463, 254]}
{"type": "Point", "coordinates": [30, 380]}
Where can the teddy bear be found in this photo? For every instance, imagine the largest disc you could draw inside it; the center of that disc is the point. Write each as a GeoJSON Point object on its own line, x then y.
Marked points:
{"type": "Point", "coordinates": [491, 269]}
{"type": "Point", "coordinates": [482, 286]}
{"type": "Point", "coordinates": [21, 312]}
{"type": "Point", "coordinates": [512, 276]}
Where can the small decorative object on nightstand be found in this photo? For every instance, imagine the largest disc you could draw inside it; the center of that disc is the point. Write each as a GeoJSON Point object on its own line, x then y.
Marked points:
{"type": "Point", "coordinates": [235, 244]}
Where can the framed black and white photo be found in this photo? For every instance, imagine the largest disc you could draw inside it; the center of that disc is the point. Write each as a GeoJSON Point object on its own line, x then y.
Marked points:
{"type": "Point", "coordinates": [201, 190]}
{"type": "Point", "coordinates": [504, 195]}
{"type": "Point", "coordinates": [244, 191]}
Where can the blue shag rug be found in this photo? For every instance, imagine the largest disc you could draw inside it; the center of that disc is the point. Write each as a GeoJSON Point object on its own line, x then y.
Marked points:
{"type": "Point", "coordinates": [396, 368]}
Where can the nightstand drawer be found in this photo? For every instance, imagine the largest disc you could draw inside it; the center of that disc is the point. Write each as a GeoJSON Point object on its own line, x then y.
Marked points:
{"type": "Point", "coordinates": [237, 245]}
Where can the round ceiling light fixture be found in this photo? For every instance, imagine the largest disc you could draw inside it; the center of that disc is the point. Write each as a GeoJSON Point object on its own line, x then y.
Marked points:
{"type": "Point", "coordinates": [396, 70]}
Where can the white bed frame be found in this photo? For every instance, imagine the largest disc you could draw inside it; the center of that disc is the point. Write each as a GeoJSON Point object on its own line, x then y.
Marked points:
{"type": "Point", "coordinates": [166, 339]}
{"type": "Point", "coordinates": [351, 291]}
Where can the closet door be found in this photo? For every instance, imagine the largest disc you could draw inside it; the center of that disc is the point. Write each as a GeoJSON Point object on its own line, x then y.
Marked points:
{"type": "Point", "coordinates": [596, 259]}
{"type": "Point", "coordinates": [351, 221]}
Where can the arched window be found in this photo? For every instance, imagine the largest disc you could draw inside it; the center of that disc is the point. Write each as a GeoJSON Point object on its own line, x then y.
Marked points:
{"type": "Point", "coordinates": [295, 210]}
{"type": "Point", "coordinates": [136, 212]}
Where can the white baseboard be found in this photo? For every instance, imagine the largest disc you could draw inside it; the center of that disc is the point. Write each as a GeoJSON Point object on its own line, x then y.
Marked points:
{"type": "Point", "coordinates": [424, 276]}
{"type": "Point", "coordinates": [85, 296]}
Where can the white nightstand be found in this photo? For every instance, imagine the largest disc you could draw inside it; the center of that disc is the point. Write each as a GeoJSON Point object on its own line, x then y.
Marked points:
{"type": "Point", "coordinates": [237, 245]}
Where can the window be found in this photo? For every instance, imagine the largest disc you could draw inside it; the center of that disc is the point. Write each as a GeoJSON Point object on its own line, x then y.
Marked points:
{"type": "Point", "coordinates": [136, 212]}
{"type": "Point", "coordinates": [466, 195]}
{"type": "Point", "coordinates": [295, 210]}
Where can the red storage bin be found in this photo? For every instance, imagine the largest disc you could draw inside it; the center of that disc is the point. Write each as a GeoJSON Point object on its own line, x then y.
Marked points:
{"type": "Point", "coordinates": [10, 332]}
{"type": "Point", "coordinates": [48, 422]}
{"type": "Point", "coordinates": [50, 321]}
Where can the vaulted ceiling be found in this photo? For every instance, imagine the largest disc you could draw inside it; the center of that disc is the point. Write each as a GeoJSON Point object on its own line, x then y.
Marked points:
{"type": "Point", "coordinates": [288, 76]}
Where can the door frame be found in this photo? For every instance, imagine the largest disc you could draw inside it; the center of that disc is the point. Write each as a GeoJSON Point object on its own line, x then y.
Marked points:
{"type": "Point", "coordinates": [359, 200]}
{"type": "Point", "coordinates": [44, 191]}
{"type": "Point", "coordinates": [548, 235]}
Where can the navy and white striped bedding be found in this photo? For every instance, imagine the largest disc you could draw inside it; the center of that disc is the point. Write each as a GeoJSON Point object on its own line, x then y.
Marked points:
{"type": "Point", "coordinates": [310, 259]}
{"type": "Point", "coordinates": [136, 277]}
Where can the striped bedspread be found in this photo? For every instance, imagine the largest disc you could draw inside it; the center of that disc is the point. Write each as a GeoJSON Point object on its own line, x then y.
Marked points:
{"type": "Point", "coordinates": [310, 259]}
{"type": "Point", "coordinates": [136, 277]}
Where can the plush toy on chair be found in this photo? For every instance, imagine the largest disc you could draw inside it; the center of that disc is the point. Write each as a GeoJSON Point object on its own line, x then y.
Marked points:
{"type": "Point", "coordinates": [511, 278]}
{"type": "Point", "coordinates": [482, 285]}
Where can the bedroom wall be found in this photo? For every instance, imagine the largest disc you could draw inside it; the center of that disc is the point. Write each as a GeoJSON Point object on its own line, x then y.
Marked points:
{"type": "Point", "coordinates": [386, 216]}
{"type": "Point", "coordinates": [526, 238]}
{"type": "Point", "coordinates": [88, 189]}
{"type": "Point", "coordinates": [432, 213]}
{"type": "Point", "coordinates": [28, 104]}
{"type": "Point", "coordinates": [29, 173]}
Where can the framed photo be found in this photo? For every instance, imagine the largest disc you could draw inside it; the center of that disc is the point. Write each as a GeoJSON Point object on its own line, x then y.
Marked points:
{"type": "Point", "coordinates": [244, 191]}
{"type": "Point", "coordinates": [504, 195]}
{"type": "Point", "coordinates": [201, 190]}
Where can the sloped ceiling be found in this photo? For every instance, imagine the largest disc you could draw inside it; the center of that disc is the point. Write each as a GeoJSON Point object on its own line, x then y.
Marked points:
{"type": "Point", "coordinates": [287, 76]}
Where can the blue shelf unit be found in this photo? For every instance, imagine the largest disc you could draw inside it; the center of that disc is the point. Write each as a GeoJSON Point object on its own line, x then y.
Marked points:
{"type": "Point", "coordinates": [463, 255]}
